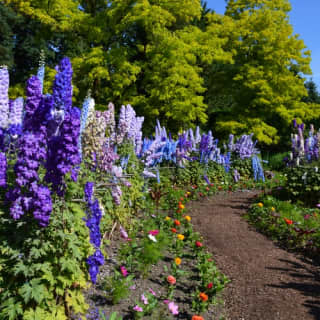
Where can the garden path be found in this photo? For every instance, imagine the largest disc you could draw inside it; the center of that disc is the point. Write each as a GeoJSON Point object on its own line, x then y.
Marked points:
{"type": "Point", "coordinates": [267, 282]}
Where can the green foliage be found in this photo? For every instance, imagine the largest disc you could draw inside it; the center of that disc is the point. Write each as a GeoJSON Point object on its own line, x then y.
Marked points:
{"type": "Point", "coordinates": [293, 226]}
{"type": "Point", "coordinates": [275, 161]}
{"type": "Point", "coordinates": [262, 87]}
{"type": "Point", "coordinates": [117, 287]}
{"type": "Point", "coordinates": [113, 316]}
{"type": "Point", "coordinates": [303, 183]}
{"type": "Point", "coordinates": [148, 308]}
{"type": "Point", "coordinates": [43, 270]}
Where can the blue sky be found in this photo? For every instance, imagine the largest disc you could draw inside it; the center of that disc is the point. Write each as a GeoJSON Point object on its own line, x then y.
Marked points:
{"type": "Point", "coordinates": [305, 18]}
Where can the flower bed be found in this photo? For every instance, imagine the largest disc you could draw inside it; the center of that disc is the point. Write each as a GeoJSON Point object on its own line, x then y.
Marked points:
{"type": "Point", "coordinates": [293, 226]}
{"type": "Point", "coordinates": [69, 178]}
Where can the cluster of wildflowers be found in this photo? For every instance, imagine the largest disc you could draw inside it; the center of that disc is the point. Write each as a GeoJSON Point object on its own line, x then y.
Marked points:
{"type": "Point", "coordinates": [244, 146]}
{"type": "Point", "coordinates": [192, 146]}
{"type": "Point", "coordinates": [304, 149]}
{"type": "Point", "coordinates": [43, 132]}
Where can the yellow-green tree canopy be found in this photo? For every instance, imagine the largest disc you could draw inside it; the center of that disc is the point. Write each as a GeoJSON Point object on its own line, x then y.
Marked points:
{"type": "Point", "coordinates": [262, 89]}
{"type": "Point", "coordinates": [149, 53]}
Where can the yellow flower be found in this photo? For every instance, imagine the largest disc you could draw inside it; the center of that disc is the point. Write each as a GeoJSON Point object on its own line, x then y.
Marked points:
{"type": "Point", "coordinates": [260, 204]}
{"type": "Point", "coordinates": [180, 236]}
{"type": "Point", "coordinates": [167, 218]}
{"type": "Point", "coordinates": [273, 209]}
{"type": "Point", "coordinates": [188, 218]}
{"type": "Point", "coordinates": [188, 193]}
{"type": "Point", "coordinates": [177, 261]}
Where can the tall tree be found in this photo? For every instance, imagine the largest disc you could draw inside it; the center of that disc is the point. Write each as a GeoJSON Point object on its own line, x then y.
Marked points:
{"type": "Point", "coordinates": [264, 94]}
{"type": "Point", "coordinates": [145, 52]}
{"type": "Point", "coordinates": [313, 94]}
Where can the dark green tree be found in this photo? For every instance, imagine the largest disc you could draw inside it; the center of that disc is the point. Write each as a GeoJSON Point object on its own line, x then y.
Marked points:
{"type": "Point", "coordinates": [313, 94]}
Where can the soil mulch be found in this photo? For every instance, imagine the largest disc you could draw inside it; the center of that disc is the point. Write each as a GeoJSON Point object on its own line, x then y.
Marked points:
{"type": "Point", "coordinates": [267, 282]}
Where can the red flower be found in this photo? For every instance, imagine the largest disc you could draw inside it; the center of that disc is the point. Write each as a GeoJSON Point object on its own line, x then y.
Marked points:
{"type": "Point", "coordinates": [174, 230]}
{"type": "Point", "coordinates": [288, 221]}
{"type": "Point", "coordinates": [210, 285]}
{"type": "Point", "coordinates": [177, 222]}
{"type": "Point", "coordinates": [199, 244]}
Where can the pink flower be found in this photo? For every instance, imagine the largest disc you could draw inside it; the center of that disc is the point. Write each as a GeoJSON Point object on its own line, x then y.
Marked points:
{"type": "Point", "coordinates": [152, 292]}
{"type": "Point", "coordinates": [137, 308]}
{"type": "Point", "coordinates": [123, 233]}
{"type": "Point", "coordinates": [154, 232]}
{"type": "Point", "coordinates": [123, 271]}
{"type": "Point", "coordinates": [144, 299]}
{"type": "Point", "coordinates": [173, 308]}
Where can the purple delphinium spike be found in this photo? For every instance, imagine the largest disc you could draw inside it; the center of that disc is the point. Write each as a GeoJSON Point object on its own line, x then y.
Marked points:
{"type": "Point", "coordinates": [63, 151]}
{"type": "Point", "coordinates": [62, 86]}
{"type": "Point", "coordinates": [116, 194]}
{"type": "Point", "coordinates": [94, 262]}
{"type": "Point", "coordinates": [236, 175]}
{"type": "Point", "coordinates": [41, 69]}
{"type": "Point", "coordinates": [16, 116]}
{"type": "Point", "coordinates": [205, 177]}
{"type": "Point", "coordinates": [3, 170]}
{"type": "Point", "coordinates": [34, 95]}
{"type": "Point", "coordinates": [41, 203]}
{"type": "Point", "coordinates": [4, 99]}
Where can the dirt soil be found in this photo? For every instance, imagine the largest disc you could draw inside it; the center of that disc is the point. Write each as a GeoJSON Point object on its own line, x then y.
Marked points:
{"type": "Point", "coordinates": [267, 282]}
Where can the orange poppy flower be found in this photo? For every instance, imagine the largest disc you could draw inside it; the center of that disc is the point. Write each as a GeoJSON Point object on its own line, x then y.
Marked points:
{"type": "Point", "coordinates": [177, 222]}
{"type": "Point", "coordinates": [288, 221]}
{"type": "Point", "coordinates": [203, 296]}
{"type": "Point", "coordinates": [181, 206]}
{"type": "Point", "coordinates": [197, 318]}
{"type": "Point", "coordinates": [177, 261]}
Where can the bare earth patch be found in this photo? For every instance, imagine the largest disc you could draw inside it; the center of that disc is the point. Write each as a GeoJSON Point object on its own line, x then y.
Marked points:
{"type": "Point", "coordinates": [267, 282]}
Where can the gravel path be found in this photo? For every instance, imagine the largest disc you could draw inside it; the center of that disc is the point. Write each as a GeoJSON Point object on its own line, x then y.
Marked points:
{"type": "Point", "coordinates": [268, 283]}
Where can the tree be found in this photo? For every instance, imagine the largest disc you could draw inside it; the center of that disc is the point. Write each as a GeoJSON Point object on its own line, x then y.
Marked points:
{"type": "Point", "coordinates": [148, 53]}
{"type": "Point", "coordinates": [313, 94]}
{"type": "Point", "coordinates": [264, 94]}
